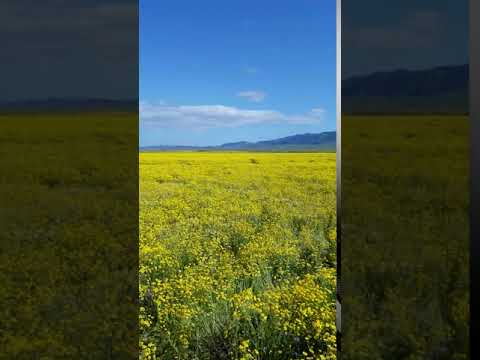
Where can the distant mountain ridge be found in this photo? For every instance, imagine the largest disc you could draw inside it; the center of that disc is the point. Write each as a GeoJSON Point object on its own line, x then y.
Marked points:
{"type": "Point", "coordinates": [74, 104]}
{"type": "Point", "coordinates": [325, 141]}
{"type": "Point", "coordinates": [437, 90]}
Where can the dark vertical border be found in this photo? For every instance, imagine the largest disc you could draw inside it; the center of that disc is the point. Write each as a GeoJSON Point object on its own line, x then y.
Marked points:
{"type": "Point", "coordinates": [474, 173]}
{"type": "Point", "coordinates": [339, 170]}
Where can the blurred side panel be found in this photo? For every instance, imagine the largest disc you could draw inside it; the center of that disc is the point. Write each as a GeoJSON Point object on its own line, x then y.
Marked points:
{"type": "Point", "coordinates": [475, 172]}
{"type": "Point", "coordinates": [69, 179]}
{"type": "Point", "coordinates": [405, 180]}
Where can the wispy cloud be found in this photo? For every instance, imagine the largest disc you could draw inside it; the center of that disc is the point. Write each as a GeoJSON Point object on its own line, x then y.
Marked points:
{"type": "Point", "coordinates": [215, 116]}
{"type": "Point", "coordinates": [251, 70]}
{"type": "Point", "coordinates": [252, 95]}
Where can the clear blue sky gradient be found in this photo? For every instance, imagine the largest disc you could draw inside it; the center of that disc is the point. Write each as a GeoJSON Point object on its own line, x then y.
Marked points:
{"type": "Point", "coordinates": [198, 53]}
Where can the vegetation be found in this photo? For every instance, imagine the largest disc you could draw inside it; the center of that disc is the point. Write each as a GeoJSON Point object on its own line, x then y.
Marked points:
{"type": "Point", "coordinates": [405, 237]}
{"type": "Point", "coordinates": [237, 255]}
{"type": "Point", "coordinates": [68, 219]}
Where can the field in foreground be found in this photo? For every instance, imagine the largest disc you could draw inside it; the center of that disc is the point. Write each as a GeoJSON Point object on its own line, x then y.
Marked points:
{"type": "Point", "coordinates": [237, 255]}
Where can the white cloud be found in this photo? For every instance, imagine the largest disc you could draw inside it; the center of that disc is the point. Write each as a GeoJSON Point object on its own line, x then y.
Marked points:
{"type": "Point", "coordinates": [252, 95]}
{"type": "Point", "coordinates": [214, 116]}
{"type": "Point", "coordinates": [318, 111]}
{"type": "Point", "coordinates": [251, 70]}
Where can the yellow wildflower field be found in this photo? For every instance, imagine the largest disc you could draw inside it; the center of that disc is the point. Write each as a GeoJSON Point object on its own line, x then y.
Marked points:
{"type": "Point", "coordinates": [237, 255]}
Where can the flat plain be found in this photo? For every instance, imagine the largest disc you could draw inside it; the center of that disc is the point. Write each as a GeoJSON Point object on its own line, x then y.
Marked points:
{"type": "Point", "coordinates": [237, 255]}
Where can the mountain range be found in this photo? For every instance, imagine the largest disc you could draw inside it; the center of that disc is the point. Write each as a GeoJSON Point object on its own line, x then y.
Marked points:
{"type": "Point", "coordinates": [439, 90]}
{"type": "Point", "coordinates": [325, 141]}
{"type": "Point", "coordinates": [69, 104]}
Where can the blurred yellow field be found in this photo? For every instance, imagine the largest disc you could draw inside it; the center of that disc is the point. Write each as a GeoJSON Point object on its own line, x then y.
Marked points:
{"type": "Point", "coordinates": [237, 255]}
{"type": "Point", "coordinates": [405, 237]}
{"type": "Point", "coordinates": [68, 264]}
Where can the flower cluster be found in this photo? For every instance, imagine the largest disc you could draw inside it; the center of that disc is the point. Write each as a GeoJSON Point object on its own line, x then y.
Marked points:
{"type": "Point", "coordinates": [237, 257]}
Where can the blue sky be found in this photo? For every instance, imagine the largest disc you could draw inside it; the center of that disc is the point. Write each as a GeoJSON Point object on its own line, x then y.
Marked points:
{"type": "Point", "coordinates": [220, 71]}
